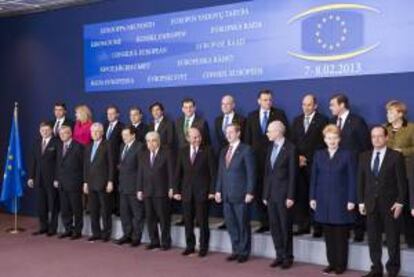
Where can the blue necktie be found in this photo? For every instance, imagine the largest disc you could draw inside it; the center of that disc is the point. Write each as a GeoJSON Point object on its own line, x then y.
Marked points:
{"type": "Point", "coordinates": [226, 123]}
{"type": "Point", "coordinates": [94, 148]}
{"type": "Point", "coordinates": [263, 124]}
{"type": "Point", "coordinates": [109, 131]}
{"type": "Point", "coordinates": [274, 154]}
{"type": "Point", "coordinates": [376, 166]}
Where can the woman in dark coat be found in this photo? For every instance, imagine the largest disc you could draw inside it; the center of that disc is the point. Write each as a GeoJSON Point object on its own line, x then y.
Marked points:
{"type": "Point", "coordinates": [333, 196]}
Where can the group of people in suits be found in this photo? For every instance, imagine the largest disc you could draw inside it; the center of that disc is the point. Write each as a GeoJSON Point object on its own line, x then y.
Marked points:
{"type": "Point", "coordinates": [331, 175]}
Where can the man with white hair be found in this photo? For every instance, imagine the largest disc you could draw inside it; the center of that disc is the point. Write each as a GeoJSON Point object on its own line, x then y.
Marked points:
{"type": "Point", "coordinates": [98, 183]}
{"type": "Point", "coordinates": [281, 167]}
{"type": "Point", "coordinates": [155, 188]}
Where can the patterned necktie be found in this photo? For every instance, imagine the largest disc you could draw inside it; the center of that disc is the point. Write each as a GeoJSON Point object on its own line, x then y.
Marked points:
{"type": "Point", "coordinates": [339, 122]}
{"type": "Point", "coordinates": [44, 144]}
{"type": "Point", "coordinates": [375, 168]}
{"type": "Point", "coordinates": [109, 132]}
{"type": "Point", "coordinates": [263, 124]}
{"type": "Point", "coordinates": [307, 123]}
{"type": "Point", "coordinates": [193, 155]}
{"type": "Point", "coordinates": [226, 122]}
{"type": "Point", "coordinates": [152, 158]}
{"type": "Point", "coordinates": [228, 156]}
{"type": "Point", "coordinates": [124, 152]}
{"type": "Point", "coordinates": [274, 154]}
{"type": "Point", "coordinates": [186, 125]}
{"type": "Point", "coordinates": [65, 149]}
{"type": "Point", "coordinates": [94, 148]}
{"type": "Point", "coordinates": [56, 128]}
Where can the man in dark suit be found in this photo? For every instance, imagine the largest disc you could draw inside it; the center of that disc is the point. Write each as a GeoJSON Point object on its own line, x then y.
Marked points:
{"type": "Point", "coordinates": [195, 178]}
{"type": "Point", "coordinates": [155, 188]}
{"type": "Point", "coordinates": [98, 183]}
{"type": "Point", "coordinates": [306, 135]}
{"type": "Point", "coordinates": [41, 177]}
{"type": "Point", "coordinates": [68, 180]}
{"type": "Point", "coordinates": [354, 137]}
{"type": "Point", "coordinates": [140, 128]}
{"type": "Point", "coordinates": [162, 125]}
{"type": "Point", "coordinates": [60, 118]}
{"type": "Point", "coordinates": [132, 210]}
{"type": "Point", "coordinates": [281, 168]}
{"type": "Point", "coordinates": [228, 116]}
{"type": "Point", "coordinates": [255, 135]}
{"type": "Point", "coordinates": [113, 128]}
{"type": "Point", "coordinates": [235, 187]}
{"type": "Point", "coordinates": [382, 190]}
{"type": "Point", "coordinates": [190, 119]}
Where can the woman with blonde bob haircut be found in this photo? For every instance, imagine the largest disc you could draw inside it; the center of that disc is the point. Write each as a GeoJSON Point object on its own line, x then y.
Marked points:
{"type": "Point", "coordinates": [333, 197]}
{"type": "Point", "coordinates": [82, 129]}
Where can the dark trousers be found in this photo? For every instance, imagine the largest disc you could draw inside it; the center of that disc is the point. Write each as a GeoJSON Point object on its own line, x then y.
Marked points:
{"type": "Point", "coordinates": [359, 226]}
{"type": "Point", "coordinates": [71, 210]}
{"type": "Point", "coordinates": [381, 219]}
{"type": "Point", "coordinates": [261, 209]}
{"type": "Point", "coordinates": [48, 208]}
{"type": "Point", "coordinates": [158, 210]}
{"type": "Point", "coordinates": [100, 207]}
{"type": "Point", "coordinates": [236, 216]}
{"type": "Point", "coordinates": [280, 222]}
{"type": "Point", "coordinates": [132, 216]}
{"type": "Point", "coordinates": [336, 240]}
{"type": "Point", "coordinates": [196, 210]}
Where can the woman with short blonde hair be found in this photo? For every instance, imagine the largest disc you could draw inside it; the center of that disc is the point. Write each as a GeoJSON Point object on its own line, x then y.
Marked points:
{"type": "Point", "coordinates": [82, 129]}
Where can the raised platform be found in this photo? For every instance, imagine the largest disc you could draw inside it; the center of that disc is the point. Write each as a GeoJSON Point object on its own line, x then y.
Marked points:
{"type": "Point", "coordinates": [306, 248]}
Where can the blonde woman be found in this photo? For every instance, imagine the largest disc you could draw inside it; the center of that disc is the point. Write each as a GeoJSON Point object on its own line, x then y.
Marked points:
{"type": "Point", "coordinates": [82, 129]}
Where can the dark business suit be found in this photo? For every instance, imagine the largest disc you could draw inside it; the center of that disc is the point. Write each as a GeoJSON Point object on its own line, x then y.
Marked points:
{"type": "Point", "coordinates": [258, 140]}
{"type": "Point", "coordinates": [166, 132]}
{"type": "Point", "coordinates": [333, 185]}
{"type": "Point", "coordinates": [195, 181]}
{"type": "Point", "coordinates": [234, 183]}
{"type": "Point", "coordinates": [115, 140]}
{"type": "Point", "coordinates": [132, 210]}
{"type": "Point", "coordinates": [198, 123]}
{"type": "Point", "coordinates": [279, 185]}
{"type": "Point", "coordinates": [69, 174]}
{"type": "Point", "coordinates": [97, 173]}
{"type": "Point", "coordinates": [355, 137]}
{"type": "Point", "coordinates": [306, 144]}
{"type": "Point", "coordinates": [379, 193]}
{"type": "Point", "coordinates": [42, 171]}
{"type": "Point", "coordinates": [140, 131]}
{"type": "Point", "coordinates": [67, 122]}
{"type": "Point", "coordinates": [218, 125]}
{"type": "Point", "coordinates": [155, 181]}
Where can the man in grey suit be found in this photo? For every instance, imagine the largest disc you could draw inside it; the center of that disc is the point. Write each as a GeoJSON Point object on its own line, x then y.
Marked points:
{"type": "Point", "coordinates": [235, 186]}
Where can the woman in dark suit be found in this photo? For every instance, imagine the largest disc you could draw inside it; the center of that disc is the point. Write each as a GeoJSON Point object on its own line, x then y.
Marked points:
{"type": "Point", "coordinates": [333, 196]}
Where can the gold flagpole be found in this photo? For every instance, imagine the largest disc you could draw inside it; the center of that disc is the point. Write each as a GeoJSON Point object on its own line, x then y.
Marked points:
{"type": "Point", "coordinates": [15, 229]}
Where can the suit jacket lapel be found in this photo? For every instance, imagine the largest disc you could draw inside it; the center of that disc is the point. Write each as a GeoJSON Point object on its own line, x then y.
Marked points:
{"type": "Point", "coordinates": [279, 156]}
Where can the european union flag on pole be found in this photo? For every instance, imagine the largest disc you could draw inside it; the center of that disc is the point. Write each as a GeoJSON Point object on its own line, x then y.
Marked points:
{"type": "Point", "coordinates": [12, 187]}
{"type": "Point", "coordinates": [333, 32]}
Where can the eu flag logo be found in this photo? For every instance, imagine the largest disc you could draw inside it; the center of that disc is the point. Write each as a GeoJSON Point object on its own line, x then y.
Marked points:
{"type": "Point", "coordinates": [333, 32]}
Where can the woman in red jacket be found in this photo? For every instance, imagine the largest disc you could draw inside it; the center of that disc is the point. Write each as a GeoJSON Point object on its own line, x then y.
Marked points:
{"type": "Point", "coordinates": [82, 129]}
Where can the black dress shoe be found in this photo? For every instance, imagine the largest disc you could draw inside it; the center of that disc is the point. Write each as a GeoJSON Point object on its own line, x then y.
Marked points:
{"type": "Point", "coordinates": [187, 252]}
{"type": "Point", "coordinates": [75, 236]}
{"type": "Point", "coordinates": [179, 222]}
{"type": "Point", "coordinates": [222, 226]}
{"type": "Point", "coordinates": [123, 240]}
{"type": "Point", "coordinates": [373, 274]}
{"type": "Point", "coordinates": [276, 263]}
{"type": "Point", "coordinates": [286, 264]}
{"type": "Point", "coordinates": [262, 229]}
{"type": "Point", "coordinates": [152, 246]}
{"type": "Point", "coordinates": [93, 238]}
{"type": "Point", "coordinates": [65, 235]}
{"type": "Point", "coordinates": [339, 271]}
{"type": "Point", "coordinates": [301, 232]}
{"type": "Point", "coordinates": [202, 253]}
{"type": "Point", "coordinates": [317, 234]}
{"type": "Point", "coordinates": [232, 257]}
{"type": "Point", "coordinates": [165, 247]}
{"type": "Point", "coordinates": [328, 270]}
{"type": "Point", "coordinates": [135, 243]}
{"type": "Point", "coordinates": [51, 233]}
{"type": "Point", "coordinates": [39, 232]}
{"type": "Point", "coordinates": [358, 238]}
{"type": "Point", "coordinates": [105, 238]}
{"type": "Point", "coordinates": [242, 259]}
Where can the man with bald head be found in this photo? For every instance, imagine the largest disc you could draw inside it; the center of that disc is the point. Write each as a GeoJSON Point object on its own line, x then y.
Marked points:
{"type": "Point", "coordinates": [306, 135]}
{"type": "Point", "coordinates": [281, 166]}
{"type": "Point", "coordinates": [228, 116]}
{"type": "Point", "coordinates": [195, 178]}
